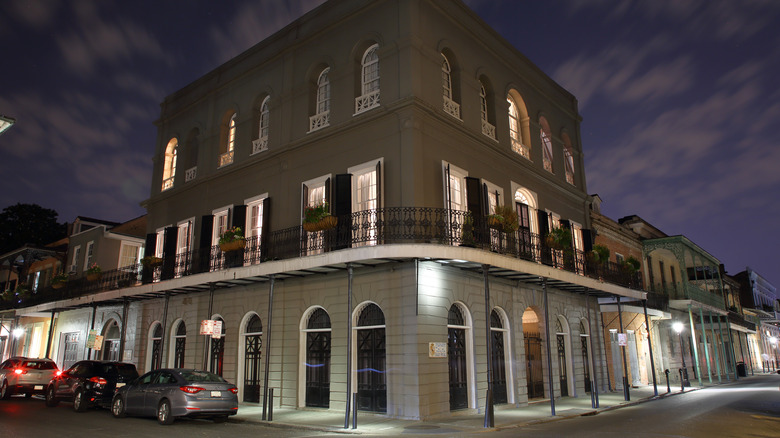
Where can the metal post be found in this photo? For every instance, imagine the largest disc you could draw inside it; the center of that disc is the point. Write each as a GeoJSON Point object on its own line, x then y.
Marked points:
{"type": "Point", "coordinates": [349, 344]}
{"type": "Point", "coordinates": [489, 422]}
{"type": "Point", "coordinates": [750, 357]}
{"type": "Point", "coordinates": [693, 344]}
{"type": "Point", "coordinates": [682, 381]}
{"type": "Point", "coordinates": [354, 410]}
{"type": "Point", "coordinates": [205, 339]}
{"type": "Point", "coordinates": [92, 327]}
{"type": "Point", "coordinates": [270, 405]}
{"type": "Point", "coordinates": [51, 333]}
{"type": "Point", "coordinates": [731, 347]}
{"type": "Point", "coordinates": [547, 345]}
{"type": "Point", "coordinates": [650, 347]}
{"type": "Point", "coordinates": [715, 347]}
{"type": "Point", "coordinates": [594, 392]}
{"type": "Point", "coordinates": [266, 398]}
{"type": "Point", "coordinates": [683, 371]}
{"type": "Point", "coordinates": [626, 393]}
{"type": "Point", "coordinates": [706, 348]}
{"type": "Point", "coordinates": [125, 306]}
{"type": "Point", "coordinates": [604, 348]}
{"type": "Point", "coordinates": [164, 327]}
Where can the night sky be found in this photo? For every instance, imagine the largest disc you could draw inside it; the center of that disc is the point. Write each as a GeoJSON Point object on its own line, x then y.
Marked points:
{"type": "Point", "coordinates": [679, 99]}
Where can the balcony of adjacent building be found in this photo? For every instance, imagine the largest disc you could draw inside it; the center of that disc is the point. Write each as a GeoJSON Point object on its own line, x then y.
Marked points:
{"type": "Point", "coordinates": [366, 238]}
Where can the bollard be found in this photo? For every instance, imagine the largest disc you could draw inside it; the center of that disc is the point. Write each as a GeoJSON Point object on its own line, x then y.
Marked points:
{"type": "Point", "coordinates": [668, 388]}
{"type": "Point", "coordinates": [270, 404]}
{"type": "Point", "coordinates": [489, 417]}
{"type": "Point", "coordinates": [682, 381]}
{"type": "Point", "coordinates": [354, 410]}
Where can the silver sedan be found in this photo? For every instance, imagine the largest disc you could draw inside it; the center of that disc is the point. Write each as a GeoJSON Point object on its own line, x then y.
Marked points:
{"type": "Point", "coordinates": [172, 393]}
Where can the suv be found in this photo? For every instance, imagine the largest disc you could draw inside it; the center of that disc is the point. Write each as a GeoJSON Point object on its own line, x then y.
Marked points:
{"type": "Point", "coordinates": [90, 383]}
{"type": "Point", "coordinates": [21, 375]}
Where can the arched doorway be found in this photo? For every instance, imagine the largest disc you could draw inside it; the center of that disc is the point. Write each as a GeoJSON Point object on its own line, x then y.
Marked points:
{"type": "Point", "coordinates": [498, 342]}
{"type": "Point", "coordinates": [179, 344]}
{"type": "Point", "coordinates": [111, 336]}
{"type": "Point", "coordinates": [584, 340]}
{"type": "Point", "coordinates": [318, 334]}
{"type": "Point", "coordinates": [457, 355]}
{"type": "Point", "coordinates": [253, 344]}
{"type": "Point", "coordinates": [217, 357]}
{"type": "Point", "coordinates": [370, 338]}
{"type": "Point", "coordinates": [155, 346]}
{"type": "Point", "coordinates": [533, 354]}
{"type": "Point", "coordinates": [563, 367]}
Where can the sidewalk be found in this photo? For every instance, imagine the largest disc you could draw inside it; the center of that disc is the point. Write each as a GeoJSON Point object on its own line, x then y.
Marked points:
{"type": "Point", "coordinates": [467, 422]}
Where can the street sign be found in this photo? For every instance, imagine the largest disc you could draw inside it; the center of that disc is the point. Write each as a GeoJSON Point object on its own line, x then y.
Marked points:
{"type": "Point", "coordinates": [622, 339]}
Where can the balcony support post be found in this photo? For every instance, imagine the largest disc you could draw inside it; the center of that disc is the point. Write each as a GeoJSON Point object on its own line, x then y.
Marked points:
{"type": "Point", "coordinates": [626, 393]}
{"type": "Point", "coordinates": [694, 344]}
{"type": "Point", "coordinates": [267, 348]}
{"type": "Point", "coordinates": [125, 307]}
{"type": "Point", "coordinates": [164, 326]}
{"type": "Point", "coordinates": [349, 344]}
{"type": "Point", "coordinates": [706, 347]}
{"type": "Point", "coordinates": [650, 348]}
{"type": "Point", "coordinates": [715, 349]}
{"type": "Point", "coordinates": [594, 387]}
{"type": "Point", "coordinates": [489, 419]}
{"type": "Point", "coordinates": [51, 333]}
{"type": "Point", "coordinates": [92, 327]}
{"type": "Point", "coordinates": [205, 340]}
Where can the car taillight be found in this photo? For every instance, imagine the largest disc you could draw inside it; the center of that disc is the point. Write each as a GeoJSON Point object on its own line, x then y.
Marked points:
{"type": "Point", "coordinates": [98, 380]}
{"type": "Point", "coordinates": [191, 389]}
{"type": "Point", "coordinates": [20, 371]}
{"type": "Point", "coordinates": [233, 390]}
{"type": "Point", "coordinates": [58, 373]}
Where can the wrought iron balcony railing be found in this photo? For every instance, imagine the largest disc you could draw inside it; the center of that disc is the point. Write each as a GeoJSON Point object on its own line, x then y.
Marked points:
{"type": "Point", "coordinates": [395, 225]}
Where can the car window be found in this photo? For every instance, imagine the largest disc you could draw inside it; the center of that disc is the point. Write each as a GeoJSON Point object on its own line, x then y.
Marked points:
{"type": "Point", "coordinates": [40, 365]}
{"type": "Point", "coordinates": [193, 376]}
{"type": "Point", "coordinates": [126, 370]}
{"type": "Point", "coordinates": [7, 365]}
{"type": "Point", "coordinates": [148, 378]}
{"type": "Point", "coordinates": [165, 378]}
{"type": "Point", "coordinates": [80, 370]}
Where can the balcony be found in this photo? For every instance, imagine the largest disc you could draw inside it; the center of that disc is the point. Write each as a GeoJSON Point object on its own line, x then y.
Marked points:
{"type": "Point", "coordinates": [190, 174]}
{"type": "Point", "coordinates": [226, 158]}
{"type": "Point", "coordinates": [366, 102]}
{"type": "Point", "coordinates": [386, 226]}
{"type": "Point", "coordinates": [319, 121]}
{"type": "Point", "coordinates": [451, 107]}
{"type": "Point", "coordinates": [488, 129]}
{"type": "Point", "coordinates": [259, 145]}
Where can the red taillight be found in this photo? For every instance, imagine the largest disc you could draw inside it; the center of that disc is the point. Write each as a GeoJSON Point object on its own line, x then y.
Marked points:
{"type": "Point", "coordinates": [20, 371]}
{"type": "Point", "coordinates": [58, 373]}
{"type": "Point", "coordinates": [191, 389]}
{"type": "Point", "coordinates": [98, 380]}
{"type": "Point", "coordinates": [233, 390]}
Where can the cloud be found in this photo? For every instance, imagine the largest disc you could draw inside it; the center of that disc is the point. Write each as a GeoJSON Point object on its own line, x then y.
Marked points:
{"type": "Point", "coordinates": [34, 13]}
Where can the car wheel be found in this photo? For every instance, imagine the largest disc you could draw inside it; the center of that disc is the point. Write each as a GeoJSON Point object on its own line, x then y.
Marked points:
{"type": "Point", "coordinates": [79, 404]}
{"type": "Point", "coordinates": [4, 392]}
{"type": "Point", "coordinates": [51, 399]}
{"type": "Point", "coordinates": [118, 407]}
{"type": "Point", "coordinates": [164, 416]}
{"type": "Point", "coordinates": [220, 419]}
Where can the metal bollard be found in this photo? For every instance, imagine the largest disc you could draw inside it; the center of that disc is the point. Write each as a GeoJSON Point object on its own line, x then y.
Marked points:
{"type": "Point", "coordinates": [354, 410]}
{"type": "Point", "coordinates": [668, 388]}
{"type": "Point", "coordinates": [270, 404]}
{"type": "Point", "coordinates": [682, 381]}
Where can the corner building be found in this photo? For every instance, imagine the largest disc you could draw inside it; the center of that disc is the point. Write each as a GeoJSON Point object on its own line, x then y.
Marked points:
{"type": "Point", "coordinates": [412, 122]}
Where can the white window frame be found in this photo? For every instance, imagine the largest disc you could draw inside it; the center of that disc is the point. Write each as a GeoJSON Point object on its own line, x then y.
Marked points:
{"type": "Point", "coordinates": [227, 157]}
{"type": "Point", "coordinates": [576, 235]}
{"type": "Point", "coordinates": [568, 157]}
{"type": "Point", "coordinates": [75, 260]}
{"type": "Point", "coordinates": [125, 246]}
{"type": "Point", "coordinates": [450, 106]}
{"type": "Point", "coordinates": [263, 128]}
{"type": "Point", "coordinates": [160, 242]}
{"type": "Point", "coordinates": [361, 170]}
{"type": "Point", "coordinates": [321, 117]}
{"type": "Point", "coordinates": [460, 175]}
{"type": "Point", "coordinates": [369, 81]}
{"type": "Point", "coordinates": [169, 166]}
{"type": "Point", "coordinates": [492, 189]}
{"type": "Point", "coordinates": [531, 201]}
{"type": "Point", "coordinates": [217, 228]}
{"type": "Point", "coordinates": [88, 254]}
{"type": "Point", "coordinates": [488, 128]}
{"type": "Point", "coordinates": [516, 130]}
{"type": "Point", "coordinates": [547, 149]}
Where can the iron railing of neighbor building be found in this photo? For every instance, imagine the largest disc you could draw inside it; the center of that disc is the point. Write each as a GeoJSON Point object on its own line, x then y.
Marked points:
{"type": "Point", "coordinates": [394, 225]}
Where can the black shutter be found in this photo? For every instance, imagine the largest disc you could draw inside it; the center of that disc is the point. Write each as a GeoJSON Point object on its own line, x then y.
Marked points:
{"type": "Point", "coordinates": [544, 228]}
{"type": "Point", "coordinates": [266, 231]}
{"type": "Point", "coordinates": [378, 184]}
{"type": "Point", "coordinates": [304, 200]}
{"type": "Point", "coordinates": [169, 252]}
{"type": "Point", "coordinates": [239, 217]}
{"type": "Point", "coordinates": [475, 204]}
{"type": "Point", "coordinates": [327, 195]}
{"type": "Point", "coordinates": [565, 224]}
{"type": "Point", "coordinates": [149, 249]}
{"type": "Point", "coordinates": [204, 246]}
{"type": "Point", "coordinates": [587, 240]}
{"type": "Point", "coordinates": [342, 208]}
{"type": "Point", "coordinates": [447, 189]}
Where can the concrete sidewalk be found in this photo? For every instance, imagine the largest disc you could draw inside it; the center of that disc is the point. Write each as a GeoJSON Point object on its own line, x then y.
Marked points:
{"type": "Point", "coordinates": [332, 421]}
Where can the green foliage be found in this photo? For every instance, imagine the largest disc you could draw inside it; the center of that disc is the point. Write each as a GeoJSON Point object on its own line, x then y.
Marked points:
{"type": "Point", "coordinates": [559, 238]}
{"type": "Point", "coordinates": [315, 213]}
{"type": "Point", "coordinates": [231, 234]}
{"type": "Point", "coordinates": [32, 224]}
{"type": "Point", "coordinates": [94, 268]}
{"type": "Point", "coordinates": [601, 253]}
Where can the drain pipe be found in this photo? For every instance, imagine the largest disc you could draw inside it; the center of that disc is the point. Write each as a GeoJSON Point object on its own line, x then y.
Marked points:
{"type": "Point", "coordinates": [349, 344]}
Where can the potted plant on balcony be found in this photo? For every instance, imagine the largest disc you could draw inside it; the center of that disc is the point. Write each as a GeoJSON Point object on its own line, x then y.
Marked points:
{"type": "Point", "coordinates": [94, 272]}
{"type": "Point", "coordinates": [59, 281]}
{"type": "Point", "coordinates": [151, 261]}
{"type": "Point", "coordinates": [558, 238]}
{"type": "Point", "coordinates": [598, 255]}
{"type": "Point", "coordinates": [467, 234]}
{"type": "Point", "coordinates": [504, 219]}
{"type": "Point", "coordinates": [630, 265]}
{"type": "Point", "coordinates": [232, 240]}
{"type": "Point", "coordinates": [318, 218]}
{"type": "Point", "coordinates": [22, 292]}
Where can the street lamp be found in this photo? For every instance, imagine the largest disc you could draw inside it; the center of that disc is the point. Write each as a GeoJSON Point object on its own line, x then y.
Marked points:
{"type": "Point", "coordinates": [678, 327]}
{"type": "Point", "coordinates": [18, 332]}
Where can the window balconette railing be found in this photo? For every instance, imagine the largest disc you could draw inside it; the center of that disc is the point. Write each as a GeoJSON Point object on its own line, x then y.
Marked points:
{"type": "Point", "coordinates": [366, 102]}
{"type": "Point", "coordinates": [393, 225]}
{"type": "Point", "coordinates": [319, 121]}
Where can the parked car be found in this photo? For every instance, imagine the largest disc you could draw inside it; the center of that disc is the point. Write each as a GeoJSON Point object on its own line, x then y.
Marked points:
{"type": "Point", "coordinates": [171, 393]}
{"type": "Point", "coordinates": [22, 375]}
{"type": "Point", "coordinates": [90, 383]}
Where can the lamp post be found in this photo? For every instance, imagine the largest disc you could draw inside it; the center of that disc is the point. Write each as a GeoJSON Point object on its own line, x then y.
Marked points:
{"type": "Point", "coordinates": [678, 327]}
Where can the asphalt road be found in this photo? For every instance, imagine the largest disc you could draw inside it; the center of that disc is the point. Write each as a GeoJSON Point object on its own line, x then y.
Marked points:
{"type": "Point", "coordinates": [749, 408]}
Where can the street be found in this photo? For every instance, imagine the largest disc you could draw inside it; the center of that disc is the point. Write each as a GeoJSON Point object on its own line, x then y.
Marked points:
{"type": "Point", "coordinates": [750, 407]}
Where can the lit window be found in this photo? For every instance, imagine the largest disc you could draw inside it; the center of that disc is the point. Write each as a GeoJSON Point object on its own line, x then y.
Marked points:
{"type": "Point", "coordinates": [261, 144]}
{"type": "Point", "coordinates": [369, 81]}
{"type": "Point", "coordinates": [487, 128]}
{"type": "Point", "coordinates": [230, 140]}
{"type": "Point", "coordinates": [544, 134]}
{"type": "Point", "coordinates": [514, 130]}
{"type": "Point", "coordinates": [169, 167]}
{"type": "Point", "coordinates": [450, 106]}
{"type": "Point", "coordinates": [321, 118]}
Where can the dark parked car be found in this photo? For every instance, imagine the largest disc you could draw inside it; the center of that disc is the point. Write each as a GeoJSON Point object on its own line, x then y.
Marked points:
{"type": "Point", "coordinates": [171, 393]}
{"type": "Point", "coordinates": [90, 383]}
{"type": "Point", "coordinates": [22, 375]}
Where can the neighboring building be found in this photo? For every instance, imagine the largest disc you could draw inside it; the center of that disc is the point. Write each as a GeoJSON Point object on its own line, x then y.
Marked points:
{"type": "Point", "coordinates": [760, 296]}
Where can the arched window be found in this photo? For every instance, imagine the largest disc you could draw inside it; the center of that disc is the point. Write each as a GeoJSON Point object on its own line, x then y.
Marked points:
{"type": "Point", "coordinates": [155, 346]}
{"type": "Point", "coordinates": [371, 362]}
{"type": "Point", "coordinates": [252, 353]}
{"type": "Point", "coordinates": [451, 107]}
{"type": "Point", "coordinates": [169, 168]}
{"type": "Point", "coordinates": [499, 348]}
{"type": "Point", "coordinates": [369, 81]}
{"type": "Point", "coordinates": [321, 117]}
{"type": "Point", "coordinates": [179, 345]}
{"type": "Point", "coordinates": [316, 340]}
{"type": "Point", "coordinates": [568, 156]}
{"type": "Point", "coordinates": [561, 336]}
{"type": "Point", "coordinates": [515, 129]}
{"type": "Point", "coordinates": [544, 134]}
{"type": "Point", "coordinates": [488, 128]}
{"type": "Point", "coordinates": [229, 141]}
{"type": "Point", "coordinates": [111, 335]}
{"type": "Point", "coordinates": [458, 354]}
{"type": "Point", "coordinates": [261, 144]}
